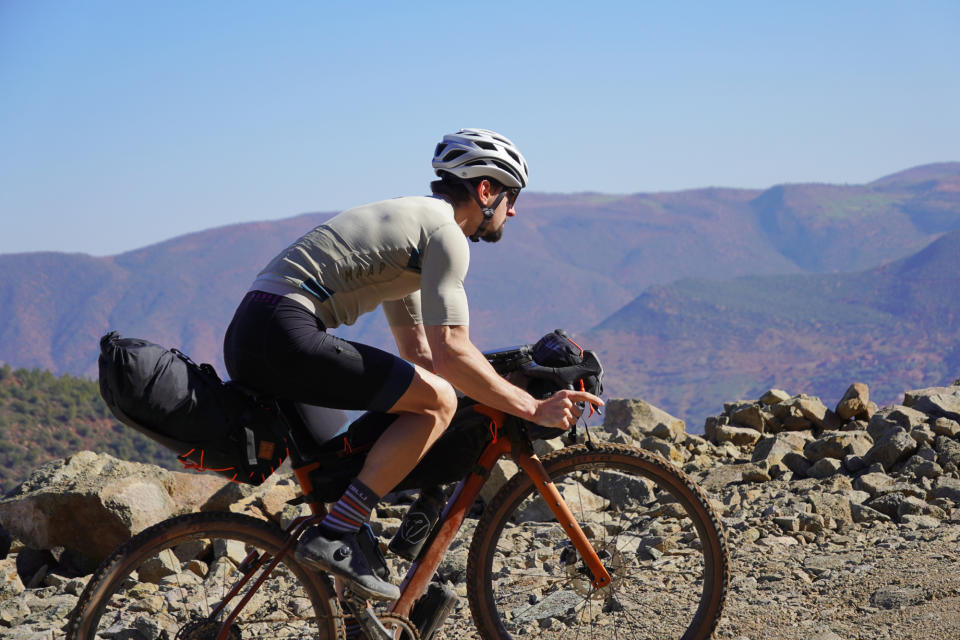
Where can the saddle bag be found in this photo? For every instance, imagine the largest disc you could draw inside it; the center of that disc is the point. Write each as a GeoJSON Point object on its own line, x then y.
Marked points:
{"type": "Point", "coordinates": [212, 425]}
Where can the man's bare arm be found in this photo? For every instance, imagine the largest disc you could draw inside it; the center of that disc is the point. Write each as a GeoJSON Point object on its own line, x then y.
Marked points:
{"type": "Point", "coordinates": [412, 345]}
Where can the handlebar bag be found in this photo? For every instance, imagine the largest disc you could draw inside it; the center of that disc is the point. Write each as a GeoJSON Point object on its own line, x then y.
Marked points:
{"type": "Point", "coordinates": [212, 425]}
{"type": "Point", "coordinates": [557, 350]}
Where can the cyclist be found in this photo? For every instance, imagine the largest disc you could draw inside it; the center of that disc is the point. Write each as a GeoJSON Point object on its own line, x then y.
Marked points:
{"type": "Point", "coordinates": [410, 256]}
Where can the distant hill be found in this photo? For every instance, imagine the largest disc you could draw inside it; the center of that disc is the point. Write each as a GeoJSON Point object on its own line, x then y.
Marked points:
{"type": "Point", "coordinates": [565, 261]}
{"type": "Point", "coordinates": [44, 417]}
{"type": "Point", "coordinates": [694, 344]}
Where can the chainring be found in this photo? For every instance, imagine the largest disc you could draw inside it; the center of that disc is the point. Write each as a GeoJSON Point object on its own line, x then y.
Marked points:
{"type": "Point", "coordinates": [397, 623]}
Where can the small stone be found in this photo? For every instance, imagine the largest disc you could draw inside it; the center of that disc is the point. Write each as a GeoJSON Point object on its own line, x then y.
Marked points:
{"type": "Point", "coordinates": [663, 448]}
{"type": "Point", "coordinates": [947, 488]}
{"type": "Point", "coordinates": [824, 468]}
{"type": "Point", "coordinates": [739, 436]}
{"type": "Point", "coordinates": [751, 535]}
{"type": "Point", "coordinates": [922, 468]}
{"type": "Point", "coordinates": [756, 473]}
{"type": "Point", "coordinates": [888, 504]}
{"type": "Point", "coordinates": [946, 427]}
{"type": "Point", "coordinates": [774, 396]}
{"type": "Point", "coordinates": [788, 523]}
{"type": "Point", "coordinates": [894, 598]}
{"type": "Point", "coordinates": [862, 514]}
{"type": "Point", "coordinates": [921, 522]}
{"type": "Point", "coordinates": [811, 522]}
{"type": "Point", "coordinates": [796, 463]}
{"type": "Point", "coordinates": [773, 448]}
{"type": "Point", "coordinates": [874, 483]}
{"type": "Point", "coordinates": [778, 541]}
{"type": "Point", "coordinates": [751, 416]}
{"type": "Point", "coordinates": [837, 444]}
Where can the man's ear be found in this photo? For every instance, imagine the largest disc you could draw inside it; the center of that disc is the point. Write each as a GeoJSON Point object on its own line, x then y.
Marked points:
{"type": "Point", "coordinates": [484, 190]}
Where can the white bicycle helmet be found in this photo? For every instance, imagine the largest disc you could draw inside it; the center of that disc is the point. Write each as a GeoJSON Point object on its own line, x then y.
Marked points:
{"type": "Point", "coordinates": [479, 153]}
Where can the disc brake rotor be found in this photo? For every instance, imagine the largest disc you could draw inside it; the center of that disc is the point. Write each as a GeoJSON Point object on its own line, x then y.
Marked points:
{"type": "Point", "coordinates": [581, 578]}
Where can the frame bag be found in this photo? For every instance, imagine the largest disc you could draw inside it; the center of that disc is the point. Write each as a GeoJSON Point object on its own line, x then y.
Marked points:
{"type": "Point", "coordinates": [212, 425]}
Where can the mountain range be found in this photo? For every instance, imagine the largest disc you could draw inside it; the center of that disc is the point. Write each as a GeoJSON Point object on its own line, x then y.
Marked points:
{"type": "Point", "coordinates": [691, 297]}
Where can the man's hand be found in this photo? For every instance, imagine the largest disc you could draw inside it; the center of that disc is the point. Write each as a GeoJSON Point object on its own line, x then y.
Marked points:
{"type": "Point", "coordinates": [560, 411]}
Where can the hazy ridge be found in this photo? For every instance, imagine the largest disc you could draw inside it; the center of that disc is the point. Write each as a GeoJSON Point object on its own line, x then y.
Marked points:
{"type": "Point", "coordinates": [624, 271]}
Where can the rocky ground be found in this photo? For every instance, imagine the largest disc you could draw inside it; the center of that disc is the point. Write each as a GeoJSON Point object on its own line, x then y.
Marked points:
{"type": "Point", "coordinates": [841, 523]}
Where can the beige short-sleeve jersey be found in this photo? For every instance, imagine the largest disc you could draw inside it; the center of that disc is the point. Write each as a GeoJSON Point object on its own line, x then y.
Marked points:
{"type": "Point", "coordinates": [408, 254]}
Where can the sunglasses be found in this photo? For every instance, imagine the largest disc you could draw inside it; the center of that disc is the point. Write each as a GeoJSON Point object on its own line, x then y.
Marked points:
{"type": "Point", "coordinates": [512, 194]}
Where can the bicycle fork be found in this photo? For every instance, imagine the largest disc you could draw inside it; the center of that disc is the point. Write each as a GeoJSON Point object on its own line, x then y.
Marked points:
{"type": "Point", "coordinates": [531, 465]}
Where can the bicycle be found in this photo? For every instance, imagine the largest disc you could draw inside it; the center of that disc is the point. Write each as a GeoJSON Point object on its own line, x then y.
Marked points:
{"type": "Point", "coordinates": [596, 540]}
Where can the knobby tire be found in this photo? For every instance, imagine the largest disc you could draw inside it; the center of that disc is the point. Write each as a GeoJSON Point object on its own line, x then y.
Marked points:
{"type": "Point", "coordinates": [126, 598]}
{"type": "Point", "coordinates": [653, 527]}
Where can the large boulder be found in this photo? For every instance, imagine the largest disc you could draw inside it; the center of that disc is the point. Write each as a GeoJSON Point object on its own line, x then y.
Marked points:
{"type": "Point", "coordinates": [641, 419]}
{"type": "Point", "coordinates": [803, 408]}
{"type": "Point", "coordinates": [895, 417]}
{"type": "Point", "coordinates": [940, 402]}
{"type": "Point", "coordinates": [855, 403]}
{"type": "Point", "coordinates": [838, 444]}
{"type": "Point", "coordinates": [893, 447]}
{"type": "Point", "coordinates": [740, 436]}
{"type": "Point", "coordinates": [751, 416]}
{"type": "Point", "coordinates": [773, 448]}
{"type": "Point", "coordinates": [90, 503]}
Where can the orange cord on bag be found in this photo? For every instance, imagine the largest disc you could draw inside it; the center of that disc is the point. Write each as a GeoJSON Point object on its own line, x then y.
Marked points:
{"type": "Point", "coordinates": [199, 466]}
{"type": "Point", "coordinates": [576, 345]}
{"type": "Point", "coordinates": [496, 419]}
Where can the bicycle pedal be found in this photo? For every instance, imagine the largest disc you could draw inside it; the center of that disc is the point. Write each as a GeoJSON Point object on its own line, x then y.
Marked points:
{"type": "Point", "coordinates": [433, 608]}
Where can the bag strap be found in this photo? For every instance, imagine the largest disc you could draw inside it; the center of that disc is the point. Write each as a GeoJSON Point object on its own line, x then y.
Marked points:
{"type": "Point", "coordinates": [205, 368]}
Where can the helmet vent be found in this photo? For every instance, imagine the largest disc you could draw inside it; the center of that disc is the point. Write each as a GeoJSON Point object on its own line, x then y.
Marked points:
{"type": "Point", "coordinates": [453, 155]}
{"type": "Point", "coordinates": [483, 144]}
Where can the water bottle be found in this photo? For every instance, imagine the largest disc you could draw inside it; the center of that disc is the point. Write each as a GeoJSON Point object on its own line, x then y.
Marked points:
{"type": "Point", "coordinates": [418, 523]}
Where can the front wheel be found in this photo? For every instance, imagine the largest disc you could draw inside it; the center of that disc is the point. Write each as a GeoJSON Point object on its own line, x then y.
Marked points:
{"type": "Point", "coordinates": [650, 524]}
{"type": "Point", "coordinates": [167, 582]}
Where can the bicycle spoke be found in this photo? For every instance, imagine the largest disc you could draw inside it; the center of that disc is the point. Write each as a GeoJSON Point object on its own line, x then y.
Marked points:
{"type": "Point", "coordinates": [170, 583]}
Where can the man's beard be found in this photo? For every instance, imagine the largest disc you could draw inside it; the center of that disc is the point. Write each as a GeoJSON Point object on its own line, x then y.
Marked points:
{"type": "Point", "coordinates": [493, 235]}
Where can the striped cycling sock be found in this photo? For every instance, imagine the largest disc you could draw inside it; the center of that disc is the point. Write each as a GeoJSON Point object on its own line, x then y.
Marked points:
{"type": "Point", "coordinates": [354, 630]}
{"type": "Point", "coordinates": [351, 511]}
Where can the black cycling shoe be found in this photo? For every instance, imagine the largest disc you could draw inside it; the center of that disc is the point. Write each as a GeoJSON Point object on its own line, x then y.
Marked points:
{"type": "Point", "coordinates": [344, 557]}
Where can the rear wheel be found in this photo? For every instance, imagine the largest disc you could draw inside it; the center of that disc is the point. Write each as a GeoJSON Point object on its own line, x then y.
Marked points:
{"type": "Point", "coordinates": [166, 583]}
{"type": "Point", "coordinates": [652, 527]}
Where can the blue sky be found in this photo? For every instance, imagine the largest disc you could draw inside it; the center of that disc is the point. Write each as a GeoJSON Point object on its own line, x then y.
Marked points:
{"type": "Point", "coordinates": [123, 123]}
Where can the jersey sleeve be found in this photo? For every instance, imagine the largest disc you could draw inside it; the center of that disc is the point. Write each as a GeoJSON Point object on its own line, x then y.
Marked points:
{"type": "Point", "coordinates": [446, 258]}
{"type": "Point", "coordinates": [403, 312]}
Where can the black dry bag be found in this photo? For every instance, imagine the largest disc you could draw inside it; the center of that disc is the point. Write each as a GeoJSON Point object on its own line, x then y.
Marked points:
{"type": "Point", "coordinates": [212, 425]}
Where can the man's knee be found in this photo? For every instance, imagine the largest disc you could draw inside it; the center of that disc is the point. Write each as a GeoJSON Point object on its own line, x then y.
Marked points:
{"type": "Point", "coordinates": [429, 394]}
{"type": "Point", "coordinates": [442, 400]}
{"type": "Point", "coordinates": [446, 401]}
